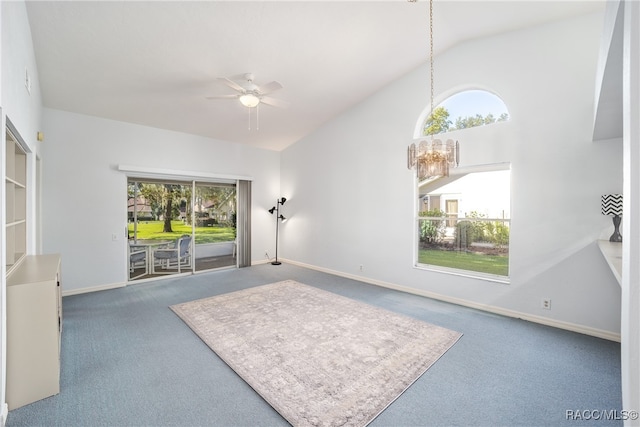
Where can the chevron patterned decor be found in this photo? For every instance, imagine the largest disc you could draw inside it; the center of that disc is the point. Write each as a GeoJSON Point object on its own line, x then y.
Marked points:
{"type": "Point", "coordinates": [612, 204]}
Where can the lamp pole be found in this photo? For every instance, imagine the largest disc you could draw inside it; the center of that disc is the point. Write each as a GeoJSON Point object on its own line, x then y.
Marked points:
{"type": "Point", "coordinates": [279, 217]}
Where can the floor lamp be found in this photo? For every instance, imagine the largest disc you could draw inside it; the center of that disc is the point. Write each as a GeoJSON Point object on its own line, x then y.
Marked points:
{"type": "Point", "coordinates": [279, 217]}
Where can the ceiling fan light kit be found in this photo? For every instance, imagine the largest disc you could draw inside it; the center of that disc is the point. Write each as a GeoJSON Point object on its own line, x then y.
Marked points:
{"type": "Point", "coordinates": [249, 100]}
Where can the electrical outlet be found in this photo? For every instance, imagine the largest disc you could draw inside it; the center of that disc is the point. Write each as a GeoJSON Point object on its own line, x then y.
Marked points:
{"type": "Point", "coordinates": [546, 303]}
{"type": "Point", "coordinates": [361, 267]}
{"type": "Point", "coordinates": [114, 237]}
{"type": "Point", "coordinates": [266, 254]}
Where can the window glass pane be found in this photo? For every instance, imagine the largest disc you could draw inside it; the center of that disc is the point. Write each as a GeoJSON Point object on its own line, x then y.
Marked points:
{"type": "Point", "coordinates": [463, 222]}
{"type": "Point", "coordinates": [159, 228]}
{"type": "Point", "coordinates": [464, 110]}
{"type": "Point", "coordinates": [172, 232]}
{"type": "Point", "coordinates": [215, 226]}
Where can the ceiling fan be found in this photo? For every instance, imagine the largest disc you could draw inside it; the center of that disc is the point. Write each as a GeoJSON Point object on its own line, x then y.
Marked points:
{"type": "Point", "coordinates": [249, 94]}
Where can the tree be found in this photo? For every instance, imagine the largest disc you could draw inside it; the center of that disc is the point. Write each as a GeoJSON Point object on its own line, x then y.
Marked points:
{"type": "Point", "coordinates": [469, 121]}
{"type": "Point", "coordinates": [488, 119]}
{"type": "Point", "coordinates": [437, 122]}
{"type": "Point", "coordinates": [175, 197]}
{"type": "Point", "coordinates": [478, 120]}
{"type": "Point", "coordinates": [154, 195]}
{"type": "Point", "coordinates": [215, 201]}
{"type": "Point", "coordinates": [168, 209]}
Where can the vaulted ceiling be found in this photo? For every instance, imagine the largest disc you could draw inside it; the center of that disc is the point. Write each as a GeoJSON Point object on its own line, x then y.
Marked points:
{"type": "Point", "coordinates": [155, 62]}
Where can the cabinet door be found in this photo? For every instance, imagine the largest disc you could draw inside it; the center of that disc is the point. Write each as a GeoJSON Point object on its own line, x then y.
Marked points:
{"type": "Point", "coordinates": [33, 331]}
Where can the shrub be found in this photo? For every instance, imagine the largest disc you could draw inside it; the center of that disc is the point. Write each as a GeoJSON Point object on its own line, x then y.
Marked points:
{"type": "Point", "coordinates": [465, 233]}
{"type": "Point", "coordinates": [501, 236]}
{"type": "Point", "coordinates": [432, 230]}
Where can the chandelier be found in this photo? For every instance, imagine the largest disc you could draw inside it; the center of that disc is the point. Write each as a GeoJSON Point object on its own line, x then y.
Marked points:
{"type": "Point", "coordinates": [432, 158]}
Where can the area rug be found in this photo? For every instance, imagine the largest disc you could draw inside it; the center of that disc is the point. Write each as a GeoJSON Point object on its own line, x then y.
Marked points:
{"type": "Point", "coordinates": [317, 358]}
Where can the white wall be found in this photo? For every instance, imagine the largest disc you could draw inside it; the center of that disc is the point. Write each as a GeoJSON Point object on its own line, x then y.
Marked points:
{"type": "Point", "coordinates": [84, 195]}
{"type": "Point", "coordinates": [24, 111]}
{"type": "Point", "coordinates": [22, 107]}
{"type": "Point", "coordinates": [630, 314]}
{"type": "Point", "coordinates": [352, 199]}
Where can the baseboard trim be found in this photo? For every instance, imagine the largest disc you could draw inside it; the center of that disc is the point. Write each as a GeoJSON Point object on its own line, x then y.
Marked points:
{"type": "Point", "coordinates": [568, 326]}
{"type": "Point", "coordinates": [4, 413]}
{"type": "Point", "coordinates": [93, 289]}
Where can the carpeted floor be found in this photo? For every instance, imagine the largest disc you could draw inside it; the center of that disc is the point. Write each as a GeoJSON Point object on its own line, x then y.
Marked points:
{"type": "Point", "coordinates": [318, 358]}
{"type": "Point", "coordinates": [127, 360]}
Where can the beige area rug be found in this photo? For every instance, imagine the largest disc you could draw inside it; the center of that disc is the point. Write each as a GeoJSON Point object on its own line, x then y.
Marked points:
{"type": "Point", "coordinates": [318, 358]}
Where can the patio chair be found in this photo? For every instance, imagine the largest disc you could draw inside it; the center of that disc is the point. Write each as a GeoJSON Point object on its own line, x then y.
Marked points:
{"type": "Point", "coordinates": [172, 258]}
{"type": "Point", "coordinates": [138, 259]}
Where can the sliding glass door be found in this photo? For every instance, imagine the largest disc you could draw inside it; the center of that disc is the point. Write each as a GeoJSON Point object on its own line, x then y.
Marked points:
{"type": "Point", "coordinates": [215, 226]}
{"type": "Point", "coordinates": [177, 227]}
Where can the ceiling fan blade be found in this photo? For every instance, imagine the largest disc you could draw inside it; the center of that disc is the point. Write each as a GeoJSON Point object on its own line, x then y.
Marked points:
{"type": "Point", "coordinates": [233, 85]}
{"type": "Point", "coordinates": [274, 102]}
{"type": "Point", "coordinates": [221, 97]}
{"type": "Point", "coordinates": [269, 87]}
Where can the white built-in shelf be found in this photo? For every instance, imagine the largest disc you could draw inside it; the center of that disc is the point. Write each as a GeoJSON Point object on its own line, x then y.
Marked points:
{"type": "Point", "coordinates": [14, 223]}
{"type": "Point", "coordinates": [16, 202]}
{"type": "Point", "coordinates": [612, 252]}
{"type": "Point", "coordinates": [14, 183]}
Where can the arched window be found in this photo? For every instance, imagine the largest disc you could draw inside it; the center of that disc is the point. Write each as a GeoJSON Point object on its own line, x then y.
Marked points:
{"type": "Point", "coordinates": [466, 109]}
{"type": "Point", "coordinates": [463, 217]}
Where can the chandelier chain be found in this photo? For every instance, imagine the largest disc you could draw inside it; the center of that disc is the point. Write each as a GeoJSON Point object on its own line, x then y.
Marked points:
{"type": "Point", "coordinates": [432, 158]}
{"type": "Point", "coordinates": [431, 56]}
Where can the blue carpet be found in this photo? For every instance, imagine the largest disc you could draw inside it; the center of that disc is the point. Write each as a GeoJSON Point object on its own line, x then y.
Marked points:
{"type": "Point", "coordinates": [128, 360]}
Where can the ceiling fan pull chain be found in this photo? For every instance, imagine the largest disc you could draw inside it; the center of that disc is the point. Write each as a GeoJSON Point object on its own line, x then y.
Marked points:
{"type": "Point", "coordinates": [258, 117]}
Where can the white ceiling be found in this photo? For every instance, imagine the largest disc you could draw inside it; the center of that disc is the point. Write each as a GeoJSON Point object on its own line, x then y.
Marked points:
{"type": "Point", "coordinates": [154, 62]}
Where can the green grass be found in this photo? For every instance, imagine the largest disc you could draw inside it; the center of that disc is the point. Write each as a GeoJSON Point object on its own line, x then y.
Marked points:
{"type": "Point", "coordinates": [152, 230]}
{"type": "Point", "coordinates": [491, 264]}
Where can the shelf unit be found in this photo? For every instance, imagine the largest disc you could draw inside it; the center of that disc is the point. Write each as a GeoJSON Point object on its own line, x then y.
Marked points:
{"type": "Point", "coordinates": [34, 328]}
{"type": "Point", "coordinates": [16, 202]}
{"type": "Point", "coordinates": [612, 252]}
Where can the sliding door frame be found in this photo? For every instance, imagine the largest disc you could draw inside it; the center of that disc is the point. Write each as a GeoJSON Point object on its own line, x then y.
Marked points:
{"type": "Point", "coordinates": [243, 209]}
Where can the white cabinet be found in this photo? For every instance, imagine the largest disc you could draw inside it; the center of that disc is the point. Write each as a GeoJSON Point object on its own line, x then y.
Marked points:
{"type": "Point", "coordinates": [16, 202]}
{"type": "Point", "coordinates": [34, 326]}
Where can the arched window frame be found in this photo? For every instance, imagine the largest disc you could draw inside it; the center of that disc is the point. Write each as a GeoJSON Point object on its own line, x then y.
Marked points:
{"type": "Point", "coordinates": [469, 168]}
{"type": "Point", "coordinates": [442, 99]}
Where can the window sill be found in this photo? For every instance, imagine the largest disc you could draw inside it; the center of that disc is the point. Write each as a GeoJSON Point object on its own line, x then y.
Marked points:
{"type": "Point", "coordinates": [464, 273]}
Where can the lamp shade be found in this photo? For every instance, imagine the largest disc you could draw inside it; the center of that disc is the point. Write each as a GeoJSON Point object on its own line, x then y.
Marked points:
{"type": "Point", "coordinates": [249, 100]}
{"type": "Point", "coordinates": [611, 204]}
